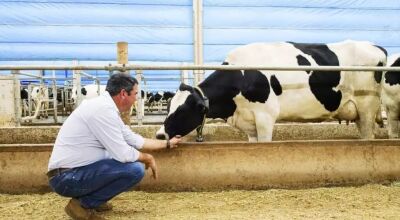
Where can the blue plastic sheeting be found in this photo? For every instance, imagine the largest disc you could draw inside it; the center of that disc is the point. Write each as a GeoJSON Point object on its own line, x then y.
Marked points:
{"type": "Point", "coordinates": [118, 2]}
{"type": "Point", "coordinates": [95, 35]}
{"type": "Point", "coordinates": [49, 51]}
{"type": "Point", "coordinates": [226, 27]}
{"type": "Point", "coordinates": [77, 14]}
{"type": "Point", "coordinates": [162, 30]}
{"type": "Point", "coordinates": [245, 36]}
{"type": "Point", "coordinates": [367, 4]}
{"type": "Point", "coordinates": [89, 30]}
{"type": "Point", "coordinates": [216, 45]}
{"type": "Point", "coordinates": [301, 18]}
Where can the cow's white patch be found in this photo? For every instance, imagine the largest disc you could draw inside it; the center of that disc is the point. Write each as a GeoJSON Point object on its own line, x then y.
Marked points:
{"type": "Point", "coordinates": [179, 98]}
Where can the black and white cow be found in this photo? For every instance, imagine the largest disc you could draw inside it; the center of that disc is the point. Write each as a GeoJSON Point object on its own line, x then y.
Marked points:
{"type": "Point", "coordinates": [87, 92]}
{"type": "Point", "coordinates": [40, 97]}
{"type": "Point", "coordinates": [167, 96]}
{"type": "Point", "coordinates": [24, 101]}
{"type": "Point", "coordinates": [158, 98]}
{"type": "Point", "coordinates": [254, 100]}
{"type": "Point", "coordinates": [391, 96]}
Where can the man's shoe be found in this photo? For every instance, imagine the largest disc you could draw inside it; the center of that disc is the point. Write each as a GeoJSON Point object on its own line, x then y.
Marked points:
{"type": "Point", "coordinates": [77, 212]}
{"type": "Point", "coordinates": [104, 207]}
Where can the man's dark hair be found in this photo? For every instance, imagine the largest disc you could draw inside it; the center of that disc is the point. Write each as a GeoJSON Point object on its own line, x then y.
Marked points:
{"type": "Point", "coordinates": [119, 81]}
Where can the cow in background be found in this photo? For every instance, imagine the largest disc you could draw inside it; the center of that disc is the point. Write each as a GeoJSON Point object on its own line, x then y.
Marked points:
{"type": "Point", "coordinates": [154, 100]}
{"type": "Point", "coordinates": [391, 96]}
{"type": "Point", "coordinates": [253, 100]}
{"type": "Point", "coordinates": [59, 95]}
{"type": "Point", "coordinates": [24, 101]}
{"type": "Point", "coordinates": [158, 99]}
{"type": "Point", "coordinates": [167, 96]}
{"type": "Point", "coordinates": [40, 98]}
{"type": "Point", "coordinates": [87, 92]}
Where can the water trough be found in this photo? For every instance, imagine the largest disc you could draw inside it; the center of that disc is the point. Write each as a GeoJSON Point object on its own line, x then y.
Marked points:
{"type": "Point", "coordinates": [227, 165]}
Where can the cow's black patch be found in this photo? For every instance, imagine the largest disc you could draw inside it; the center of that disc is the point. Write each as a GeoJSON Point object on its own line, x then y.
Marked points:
{"type": "Point", "coordinates": [83, 91]}
{"type": "Point", "coordinates": [393, 77]}
{"type": "Point", "coordinates": [255, 87]}
{"type": "Point", "coordinates": [322, 83]}
{"type": "Point", "coordinates": [24, 94]}
{"type": "Point", "coordinates": [378, 74]}
{"type": "Point", "coordinates": [220, 88]}
{"type": "Point", "coordinates": [302, 61]}
{"type": "Point", "coordinates": [184, 87]}
{"type": "Point", "coordinates": [276, 86]}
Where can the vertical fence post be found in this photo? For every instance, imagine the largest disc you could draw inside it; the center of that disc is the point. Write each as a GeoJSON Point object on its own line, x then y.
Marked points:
{"type": "Point", "coordinates": [139, 104]}
{"type": "Point", "coordinates": [17, 98]}
{"type": "Point", "coordinates": [198, 75]}
{"type": "Point", "coordinates": [185, 76]}
{"type": "Point", "coordinates": [122, 58]}
{"type": "Point", "coordinates": [76, 83]}
{"type": "Point", "coordinates": [55, 107]}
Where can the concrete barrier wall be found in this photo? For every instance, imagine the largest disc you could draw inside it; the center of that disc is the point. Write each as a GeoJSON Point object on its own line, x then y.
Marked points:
{"type": "Point", "coordinates": [231, 165]}
{"type": "Point", "coordinates": [212, 132]}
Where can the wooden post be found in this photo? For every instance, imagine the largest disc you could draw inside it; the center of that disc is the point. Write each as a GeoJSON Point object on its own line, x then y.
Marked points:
{"type": "Point", "coordinates": [122, 53]}
{"type": "Point", "coordinates": [122, 58]}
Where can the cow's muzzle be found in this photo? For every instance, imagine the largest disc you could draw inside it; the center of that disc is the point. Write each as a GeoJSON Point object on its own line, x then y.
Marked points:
{"type": "Point", "coordinates": [161, 134]}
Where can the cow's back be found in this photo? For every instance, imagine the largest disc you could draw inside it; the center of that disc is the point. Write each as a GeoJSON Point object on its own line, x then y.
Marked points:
{"type": "Point", "coordinates": [316, 95]}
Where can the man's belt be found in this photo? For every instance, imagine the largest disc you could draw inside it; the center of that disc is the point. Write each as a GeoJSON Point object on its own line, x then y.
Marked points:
{"type": "Point", "coordinates": [57, 171]}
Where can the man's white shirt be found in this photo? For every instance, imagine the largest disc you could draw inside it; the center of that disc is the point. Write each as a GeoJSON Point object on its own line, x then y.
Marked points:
{"type": "Point", "coordinates": [94, 131]}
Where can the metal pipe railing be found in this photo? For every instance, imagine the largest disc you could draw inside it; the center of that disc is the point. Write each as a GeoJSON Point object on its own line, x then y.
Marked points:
{"type": "Point", "coordinates": [28, 74]}
{"type": "Point", "coordinates": [196, 67]}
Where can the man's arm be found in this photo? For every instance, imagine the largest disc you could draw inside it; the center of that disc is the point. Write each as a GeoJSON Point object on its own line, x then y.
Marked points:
{"type": "Point", "coordinates": [153, 144]}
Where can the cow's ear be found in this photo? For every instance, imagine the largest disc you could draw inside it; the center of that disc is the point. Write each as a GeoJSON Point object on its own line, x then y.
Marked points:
{"type": "Point", "coordinates": [202, 106]}
{"type": "Point", "coordinates": [184, 87]}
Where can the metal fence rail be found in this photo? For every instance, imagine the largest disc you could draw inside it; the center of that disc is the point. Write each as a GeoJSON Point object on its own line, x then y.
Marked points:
{"type": "Point", "coordinates": [195, 67]}
{"type": "Point", "coordinates": [139, 68]}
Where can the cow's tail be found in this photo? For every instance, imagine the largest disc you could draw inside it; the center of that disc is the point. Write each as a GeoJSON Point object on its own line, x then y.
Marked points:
{"type": "Point", "coordinates": [379, 78]}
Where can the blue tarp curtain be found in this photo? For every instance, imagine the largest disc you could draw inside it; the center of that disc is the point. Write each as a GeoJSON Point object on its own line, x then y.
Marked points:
{"type": "Point", "coordinates": [162, 30]}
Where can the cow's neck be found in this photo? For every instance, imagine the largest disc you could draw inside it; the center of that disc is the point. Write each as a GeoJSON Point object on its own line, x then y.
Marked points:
{"type": "Point", "coordinates": [220, 88]}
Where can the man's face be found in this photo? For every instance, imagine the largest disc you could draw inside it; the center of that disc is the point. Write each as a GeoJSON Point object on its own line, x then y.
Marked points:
{"type": "Point", "coordinates": [130, 99]}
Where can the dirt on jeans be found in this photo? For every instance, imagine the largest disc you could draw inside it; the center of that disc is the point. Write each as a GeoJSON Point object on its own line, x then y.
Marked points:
{"type": "Point", "coordinates": [366, 202]}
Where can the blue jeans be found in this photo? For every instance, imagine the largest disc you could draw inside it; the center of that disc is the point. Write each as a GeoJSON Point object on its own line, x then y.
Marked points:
{"type": "Point", "coordinates": [98, 182]}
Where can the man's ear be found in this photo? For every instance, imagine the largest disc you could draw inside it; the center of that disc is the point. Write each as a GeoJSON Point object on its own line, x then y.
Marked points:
{"type": "Point", "coordinates": [122, 93]}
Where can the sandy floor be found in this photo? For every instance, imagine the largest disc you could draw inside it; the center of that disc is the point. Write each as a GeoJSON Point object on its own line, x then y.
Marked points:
{"type": "Point", "coordinates": [367, 202]}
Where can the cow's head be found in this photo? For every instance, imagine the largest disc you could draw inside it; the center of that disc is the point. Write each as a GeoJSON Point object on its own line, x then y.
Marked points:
{"type": "Point", "coordinates": [186, 112]}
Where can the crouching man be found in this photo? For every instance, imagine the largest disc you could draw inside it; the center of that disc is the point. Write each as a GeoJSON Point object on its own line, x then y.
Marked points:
{"type": "Point", "coordinates": [96, 156]}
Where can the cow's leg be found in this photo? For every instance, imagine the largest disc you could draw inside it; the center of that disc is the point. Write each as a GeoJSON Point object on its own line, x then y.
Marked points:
{"type": "Point", "coordinates": [393, 121]}
{"type": "Point", "coordinates": [264, 126]}
{"type": "Point", "coordinates": [379, 118]}
{"type": "Point", "coordinates": [366, 124]}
